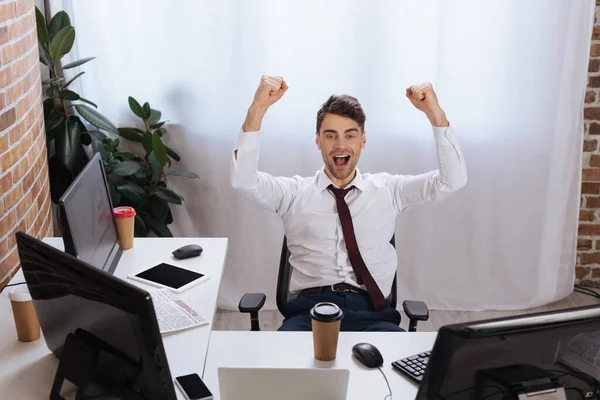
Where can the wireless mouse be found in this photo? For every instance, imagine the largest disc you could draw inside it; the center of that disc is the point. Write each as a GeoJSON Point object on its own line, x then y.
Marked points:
{"type": "Point", "coordinates": [190, 250]}
{"type": "Point", "coordinates": [368, 355]}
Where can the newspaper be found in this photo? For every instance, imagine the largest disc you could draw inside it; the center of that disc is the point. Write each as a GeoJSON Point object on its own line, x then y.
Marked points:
{"type": "Point", "coordinates": [173, 314]}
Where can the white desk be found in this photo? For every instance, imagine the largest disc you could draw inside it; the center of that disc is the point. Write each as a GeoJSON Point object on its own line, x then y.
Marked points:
{"type": "Point", "coordinates": [294, 349]}
{"type": "Point", "coordinates": [27, 369]}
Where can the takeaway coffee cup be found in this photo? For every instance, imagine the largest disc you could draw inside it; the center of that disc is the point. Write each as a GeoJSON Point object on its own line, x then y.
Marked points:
{"type": "Point", "coordinates": [125, 219]}
{"type": "Point", "coordinates": [26, 320]}
{"type": "Point", "coordinates": [326, 319]}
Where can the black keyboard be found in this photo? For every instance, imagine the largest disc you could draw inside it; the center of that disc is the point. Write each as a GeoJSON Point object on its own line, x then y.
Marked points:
{"type": "Point", "coordinates": [413, 366]}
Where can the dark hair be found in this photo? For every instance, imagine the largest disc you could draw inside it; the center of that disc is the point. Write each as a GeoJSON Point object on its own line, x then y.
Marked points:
{"type": "Point", "coordinates": [344, 106]}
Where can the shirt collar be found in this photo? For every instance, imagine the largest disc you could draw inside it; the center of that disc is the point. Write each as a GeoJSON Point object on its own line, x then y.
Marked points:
{"type": "Point", "coordinates": [323, 180]}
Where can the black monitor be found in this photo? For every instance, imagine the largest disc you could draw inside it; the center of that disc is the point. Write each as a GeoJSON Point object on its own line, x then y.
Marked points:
{"type": "Point", "coordinates": [103, 329]}
{"type": "Point", "coordinates": [87, 223]}
{"type": "Point", "coordinates": [557, 351]}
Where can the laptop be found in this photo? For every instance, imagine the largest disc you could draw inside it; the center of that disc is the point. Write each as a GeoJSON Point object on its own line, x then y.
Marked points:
{"type": "Point", "coordinates": [253, 383]}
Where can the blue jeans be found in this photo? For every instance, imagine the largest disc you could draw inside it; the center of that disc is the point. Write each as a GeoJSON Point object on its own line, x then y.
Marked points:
{"type": "Point", "coordinates": [359, 314]}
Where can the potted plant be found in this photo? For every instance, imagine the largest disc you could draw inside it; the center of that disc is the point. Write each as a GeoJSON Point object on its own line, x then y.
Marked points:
{"type": "Point", "coordinates": [140, 180]}
{"type": "Point", "coordinates": [63, 108]}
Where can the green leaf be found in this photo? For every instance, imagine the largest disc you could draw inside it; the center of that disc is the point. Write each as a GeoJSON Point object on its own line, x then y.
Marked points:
{"type": "Point", "coordinates": [44, 55]}
{"type": "Point", "coordinates": [52, 91]}
{"type": "Point", "coordinates": [147, 142]}
{"type": "Point", "coordinates": [111, 144]}
{"type": "Point", "coordinates": [159, 149]}
{"type": "Point", "coordinates": [87, 101]}
{"type": "Point", "coordinates": [68, 144]}
{"type": "Point", "coordinates": [62, 43]}
{"type": "Point", "coordinates": [190, 175]}
{"type": "Point", "coordinates": [169, 218]}
{"type": "Point", "coordinates": [48, 106]}
{"type": "Point", "coordinates": [58, 22]}
{"type": "Point", "coordinates": [139, 229]}
{"type": "Point", "coordinates": [172, 154]}
{"type": "Point", "coordinates": [159, 209]}
{"type": "Point", "coordinates": [127, 155]}
{"type": "Point", "coordinates": [167, 195]}
{"type": "Point", "coordinates": [130, 134]}
{"type": "Point", "coordinates": [78, 63]}
{"type": "Point", "coordinates": [68, 95]}
{"type": "Point", "coordinates": [155, 166]}
{"type": "Point", "coordinates": [55, 118]}
{"type": "Point", "coordinates": [98, 135]}
{"type": "Point", "coordinates": [136, 108]}
{"type": "Point", "coordinates": [160, 131]}
{"type": "Point", "coordinates": [126, 168]}
{"type": "Point", "coordinates": [144, 173]}
{"type": "Point", "coordinates": [98, 147]}
{"type": "Point", "coordinates": [154, 116]}
{"type": "Point", "coordinates": [158, 125]}
{"type": "Point", "coordinates": [156, 226]}
{"type": "Point", "coordinates": [42, 30]}
{"type": "Point", "coordinates": [95, 118]}
{"type": "Point", "coordinates": [133, 192]}
{"type": "Point", "coordinates": [53, 80]}
{"type": "Point", "coordinates": [147, 110]}
{"type": "Point", "coordinates": [72, 79]}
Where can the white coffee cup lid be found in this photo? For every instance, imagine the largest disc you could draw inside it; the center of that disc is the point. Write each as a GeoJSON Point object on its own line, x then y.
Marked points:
{"type": "Point", "coordinates": [19, 296]}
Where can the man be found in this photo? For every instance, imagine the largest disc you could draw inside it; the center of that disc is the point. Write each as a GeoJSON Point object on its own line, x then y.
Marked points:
{"type": "Point", "coordinates": [339, 222]}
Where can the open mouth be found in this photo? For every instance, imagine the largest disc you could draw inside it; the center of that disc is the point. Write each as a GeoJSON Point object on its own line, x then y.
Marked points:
{"type": "Point", "coordinates": [341, 160]}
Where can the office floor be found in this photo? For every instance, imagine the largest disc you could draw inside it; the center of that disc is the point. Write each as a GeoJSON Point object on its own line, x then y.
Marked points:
{"type": "Point", "coordinates": [271, 320]}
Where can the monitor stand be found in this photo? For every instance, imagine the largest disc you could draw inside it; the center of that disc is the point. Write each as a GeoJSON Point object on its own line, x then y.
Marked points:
{"type": "Point", "coordinates": [520, 382]}
{"type": "Point", "coordinates": [78, 360]}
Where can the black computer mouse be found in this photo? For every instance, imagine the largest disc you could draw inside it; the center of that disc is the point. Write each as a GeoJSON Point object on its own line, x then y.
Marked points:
{"type": "Point", "coordinates": [368, 355]}
{"type": "Point", "coordinates": [190, 250]}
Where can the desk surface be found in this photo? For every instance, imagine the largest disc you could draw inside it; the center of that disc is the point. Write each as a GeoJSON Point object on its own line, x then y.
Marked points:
{"type": "Point", "coordinates": [27, 369]}
{"type": "Point", "coordinates": [294, 349]}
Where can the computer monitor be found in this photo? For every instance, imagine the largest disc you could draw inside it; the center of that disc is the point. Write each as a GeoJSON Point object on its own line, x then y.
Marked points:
{"type": "Point", "coordinates": [101, 328]}
{"type": "Point", "coordinates": [522, 353]}
{"type": "Point", "coordinates": [86, 220]}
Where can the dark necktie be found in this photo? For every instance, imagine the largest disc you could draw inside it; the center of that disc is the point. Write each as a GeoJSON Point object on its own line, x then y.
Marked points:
{"type": "Point", "coordinates": [360, 269]}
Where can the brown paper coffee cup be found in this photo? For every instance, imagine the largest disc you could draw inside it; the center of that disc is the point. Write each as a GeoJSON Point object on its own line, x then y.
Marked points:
{"type": "Point", "coordinates": [125, 220]}
{"type": "Point", "coordinates": [326, 321]}
{"type": "Point", "coordinates": [26, 320]}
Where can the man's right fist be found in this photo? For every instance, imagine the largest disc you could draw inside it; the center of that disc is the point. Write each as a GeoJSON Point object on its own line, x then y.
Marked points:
{"type": "Point", "coordinates": [270, 90]}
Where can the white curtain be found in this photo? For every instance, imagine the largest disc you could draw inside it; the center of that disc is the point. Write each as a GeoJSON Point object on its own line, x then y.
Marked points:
{"type": "Point", "coordinates": [510, 74]}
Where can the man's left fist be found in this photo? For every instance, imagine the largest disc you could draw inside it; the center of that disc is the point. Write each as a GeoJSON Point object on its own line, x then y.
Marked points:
{"type": "Point", "coordinates": [423, 98]}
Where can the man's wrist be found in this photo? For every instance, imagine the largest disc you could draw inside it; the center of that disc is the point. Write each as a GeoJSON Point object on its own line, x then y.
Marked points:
{"type": "Point", "coordinates": [438, 118]}
{"type": "Point", "coordinates": [254, 118]}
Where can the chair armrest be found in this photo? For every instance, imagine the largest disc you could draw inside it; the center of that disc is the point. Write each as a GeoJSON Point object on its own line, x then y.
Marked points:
{"type": "Point", "coordinates": [416, 310]}
{"type": "Point", "coordinates": [252, 302]}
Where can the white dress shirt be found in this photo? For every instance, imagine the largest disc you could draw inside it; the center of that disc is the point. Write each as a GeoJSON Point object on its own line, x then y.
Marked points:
{"type": "Point", "coordinates": [311, 223]}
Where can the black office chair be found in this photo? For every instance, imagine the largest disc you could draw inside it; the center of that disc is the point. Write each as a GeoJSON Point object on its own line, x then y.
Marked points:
{"type": "Point", "coordinates": [252, 302]}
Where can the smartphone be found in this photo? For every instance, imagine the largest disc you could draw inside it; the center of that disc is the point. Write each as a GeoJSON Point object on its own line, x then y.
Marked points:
{"type": "Point", "coordinates": [193, 388]}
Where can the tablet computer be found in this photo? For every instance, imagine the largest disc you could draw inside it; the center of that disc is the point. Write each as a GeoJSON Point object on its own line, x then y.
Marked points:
{"type": "Point", "coordinates": [169, 276]}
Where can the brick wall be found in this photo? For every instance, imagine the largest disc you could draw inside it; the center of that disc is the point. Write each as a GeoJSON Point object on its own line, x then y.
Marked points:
{"type": "Point", "coordinates": [24, 190]}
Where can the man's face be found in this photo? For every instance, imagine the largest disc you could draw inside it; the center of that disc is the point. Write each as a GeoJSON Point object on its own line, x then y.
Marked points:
{"type": "Point", "coordinates": [340, 140]}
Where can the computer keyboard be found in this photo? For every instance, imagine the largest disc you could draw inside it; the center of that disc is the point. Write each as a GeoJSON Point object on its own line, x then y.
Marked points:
{"type": "Point", "coordinates": [413, 366]}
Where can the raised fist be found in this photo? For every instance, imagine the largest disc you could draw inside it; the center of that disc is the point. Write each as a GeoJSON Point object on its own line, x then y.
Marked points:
{"type": "Point", "coordinates": [424, 98]}
{"type": "Point", "coordinates": [270, 90]}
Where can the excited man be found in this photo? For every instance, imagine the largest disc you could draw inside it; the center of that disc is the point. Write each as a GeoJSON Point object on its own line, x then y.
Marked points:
{"type": "Point", "coordinates": [339, 222]}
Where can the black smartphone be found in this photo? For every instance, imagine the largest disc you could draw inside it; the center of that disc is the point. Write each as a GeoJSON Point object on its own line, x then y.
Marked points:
{"type": "Point", "coordinates": [193, 388]}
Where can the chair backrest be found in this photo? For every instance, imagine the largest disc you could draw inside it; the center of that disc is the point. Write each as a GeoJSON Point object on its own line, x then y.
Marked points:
{"type": "Point", "coordinates": [283, 295]}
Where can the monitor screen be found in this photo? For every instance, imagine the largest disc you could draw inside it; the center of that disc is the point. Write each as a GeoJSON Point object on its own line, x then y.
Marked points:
{"type": "Point", "coordinates": [549, 344]}
{"type": "Point", "coordinates": [87, 222]}
{"type": "Point", "coordinates": [104, 313]}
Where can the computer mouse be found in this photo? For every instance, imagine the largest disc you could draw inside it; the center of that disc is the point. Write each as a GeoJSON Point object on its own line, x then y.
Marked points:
{"type": "Point", "coordinates": [190, 250]}
{"type": "Point", "coordinates": [368, 355]}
